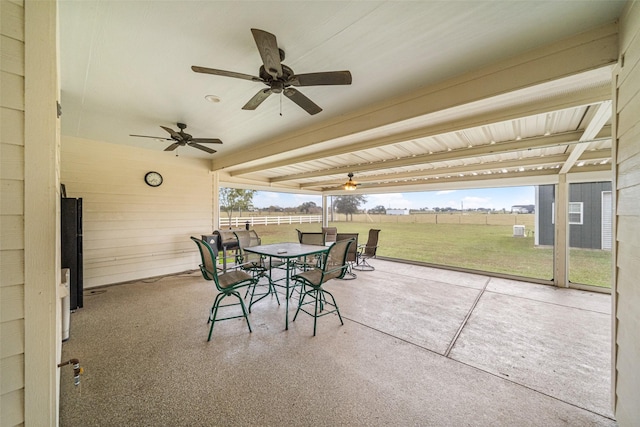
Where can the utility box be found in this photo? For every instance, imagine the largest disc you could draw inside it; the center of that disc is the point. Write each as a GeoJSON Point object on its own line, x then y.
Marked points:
{"type": "Point", "coordinates": [518, 231]}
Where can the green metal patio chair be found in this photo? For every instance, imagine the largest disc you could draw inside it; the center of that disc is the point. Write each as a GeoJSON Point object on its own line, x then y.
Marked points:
{"type": "Point", "coordinates": [227, 284]}
{"type": "Point", "coordinates": [367, 251]}
{"type": "Point", "coordinates": [352, 253]}
{"type": "Point", "coordinates": [334, 266]}
{"type": "Point", "coordinates": [255, 264]}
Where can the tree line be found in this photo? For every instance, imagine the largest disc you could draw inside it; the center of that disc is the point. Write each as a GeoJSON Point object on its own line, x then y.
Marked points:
{"type": "Point", "coordinates": [240, 200]}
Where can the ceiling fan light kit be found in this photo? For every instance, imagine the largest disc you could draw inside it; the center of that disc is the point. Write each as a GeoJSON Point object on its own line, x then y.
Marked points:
{"type": "Point", "coordinates": [350, 185]}
{"type": "Point", "coordinates": [278, 77]}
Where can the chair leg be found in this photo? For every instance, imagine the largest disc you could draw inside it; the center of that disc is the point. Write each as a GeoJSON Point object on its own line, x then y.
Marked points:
{"type": "Point", "coordinates": [214, 313]}
{"type": "Point", "coordinates": [300, 301]}
{"type": "Point", "coordinates": [244, 310]}
{"type": "Point", "coordinates": [335, 305]}
{"type": "Point", "coordinates": [216, 305]}
{"type": "Point", "coordinates": [315, 317]}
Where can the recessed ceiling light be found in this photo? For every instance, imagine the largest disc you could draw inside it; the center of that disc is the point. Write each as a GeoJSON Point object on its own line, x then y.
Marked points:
{"type": "Point", "coordinates": [212, 98]}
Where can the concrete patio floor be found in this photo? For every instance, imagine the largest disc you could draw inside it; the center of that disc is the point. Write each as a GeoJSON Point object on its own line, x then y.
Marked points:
{"type": "Point", "coordinates": [419, 346]}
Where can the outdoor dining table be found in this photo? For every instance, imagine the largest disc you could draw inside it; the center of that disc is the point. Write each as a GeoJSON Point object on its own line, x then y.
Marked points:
{"type": "Point", "coordinates": [287, 252]}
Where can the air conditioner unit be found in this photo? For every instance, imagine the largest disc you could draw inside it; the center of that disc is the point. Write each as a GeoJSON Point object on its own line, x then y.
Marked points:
{"type": "Point", "coordinates": [518, 231]}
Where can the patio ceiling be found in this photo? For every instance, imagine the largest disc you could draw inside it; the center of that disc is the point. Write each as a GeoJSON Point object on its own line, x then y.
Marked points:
{"type": "Point", "coordinates": [444, 94]}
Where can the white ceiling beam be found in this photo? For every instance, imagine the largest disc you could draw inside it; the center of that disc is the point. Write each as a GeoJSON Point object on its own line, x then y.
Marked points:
{"type": "Point", "coordinates": [477, 168]}
{"type": "Point", "coordinates": [464, 153]}
{"type": "Point", "coordinates": [600, 118]}
{"type": "Point", "coordinates": [560, 102]}
{"type": "Point", "coordinates": [587, 51]}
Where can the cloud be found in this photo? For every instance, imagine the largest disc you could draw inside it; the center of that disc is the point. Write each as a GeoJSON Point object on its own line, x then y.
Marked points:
{"type": "Point", "coordinates": [439, 193]}
{"type": "Point", "coordinates": [393, 201]}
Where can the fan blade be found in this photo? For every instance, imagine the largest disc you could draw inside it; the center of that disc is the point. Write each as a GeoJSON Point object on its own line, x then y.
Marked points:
{"type": "Point", "coordinates": [206, 140]}
{"type": "Point", "coordinates": [202, 147]}
{"type": "Point", "coordinates": [320, 79]}
{"type": "Point", "coordinates": [308, 105]}
{"type": "Point", "coordinates": [268, 48]}
{"type": "Point", "coordinates": [225, 73]}
{"type": "Point", "coordinates": [174, 135]}
{"type": "Point", "coordinates": [154, 137]}
{"type": "Point", "coordinates": [257, 99]}
{"type": "Point", "coordinates": [172, 147]}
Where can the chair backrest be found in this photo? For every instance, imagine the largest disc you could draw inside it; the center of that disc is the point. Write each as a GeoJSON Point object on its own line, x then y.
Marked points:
{"type": "Point", "coordinates": [372, 243]}
{"type": "Point", "coordinates": [335, 262]}
{"type": "Point", "coordinates": [312, 238]}
{"type": "Point", "coordinates": [331, 234]}
{"type": "Point", "coordinates": [208, 255]}
{"type": "Point", "coordinates": [352, 253]}
{"type": "Point", "coordinates": [248, 238]}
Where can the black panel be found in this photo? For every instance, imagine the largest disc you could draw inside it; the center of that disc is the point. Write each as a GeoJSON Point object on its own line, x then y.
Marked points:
{"type": "Point", "coordinates": [71, 247]}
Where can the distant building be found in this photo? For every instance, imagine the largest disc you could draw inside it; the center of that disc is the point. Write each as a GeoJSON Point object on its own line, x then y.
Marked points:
{"type": "Point", "coordinates": [397, 211]}
{"type": "Point", "coordinates": [523, 209]}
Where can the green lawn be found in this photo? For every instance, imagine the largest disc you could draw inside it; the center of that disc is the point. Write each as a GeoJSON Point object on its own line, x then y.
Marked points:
{"type": "Point", "coordinates": [489, 248]}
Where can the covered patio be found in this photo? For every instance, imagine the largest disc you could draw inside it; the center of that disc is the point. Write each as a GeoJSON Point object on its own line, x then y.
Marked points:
{"type": "Point", "coordinates": [419, 346]}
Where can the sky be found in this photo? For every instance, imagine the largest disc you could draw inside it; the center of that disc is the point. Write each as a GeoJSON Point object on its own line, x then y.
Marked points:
{"type": "Point", "coordinates": [489, 198]}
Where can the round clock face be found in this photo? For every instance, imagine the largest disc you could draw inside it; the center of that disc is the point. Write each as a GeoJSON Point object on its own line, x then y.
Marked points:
{"type": "Point", "coordinates": [153, 179]}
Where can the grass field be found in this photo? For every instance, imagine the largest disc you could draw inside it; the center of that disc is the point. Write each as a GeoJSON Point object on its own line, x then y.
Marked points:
{"type": "Point", "coordinates": [490, 248]}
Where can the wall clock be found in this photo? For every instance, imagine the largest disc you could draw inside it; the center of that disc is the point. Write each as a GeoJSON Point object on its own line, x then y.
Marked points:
{"type": "Point", "coordinates": [154, 179]}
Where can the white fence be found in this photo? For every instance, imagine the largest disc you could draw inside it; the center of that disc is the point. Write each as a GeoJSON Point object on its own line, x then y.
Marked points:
{"type": "Point", "coordinates": [268, 220]}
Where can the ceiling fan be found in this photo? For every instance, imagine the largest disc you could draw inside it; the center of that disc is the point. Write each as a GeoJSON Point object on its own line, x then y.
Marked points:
{"type": "Point", "coordinates": [183, 138]}
{"type": "Point", "coordinates": [350, 185]}
{"type": "Point", "coordinates": [278, 77]}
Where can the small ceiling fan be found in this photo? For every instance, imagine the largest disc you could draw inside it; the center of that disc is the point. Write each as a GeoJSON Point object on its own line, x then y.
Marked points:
{"type": "Point", "coordinates": [350, 185]}
{"type": "Point", "coordinates": [182, 138]}
{"type": "Point", "coordinates": [278, 77]}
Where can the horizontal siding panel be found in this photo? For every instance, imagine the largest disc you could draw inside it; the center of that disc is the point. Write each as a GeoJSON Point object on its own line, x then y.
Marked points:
{"type": "Point", "coordinates": [12, 20]}
{"type": "Point", "coordinates": [12, 333]}
{"type": "Point", "coordinates": [170, 226]}
{"type": "Point", "coordinates": [135, 252]}
{"type": "Point", "coordinates": [628, 144]}
{"type": "Point", "coordinates": [100, 207]}
{"type": "Point", "coordinates": [111, 276]}
{"type": "Point", "coordinates": [627, 118]}
{"type": "Point", "coordinates": [174, 198]}
{"type": "Point", "coordinates": [12, 197]}
{"type": "Point", "coordinates": [12, 231]}
{"type": "Point", "coordinates": [141, 246]}
{"type": "Point", "coordinates": [628, 228]}
{"type": "Point", "coordinates": [11, 303]}
{"type": "Point", "coordinates": [165, 214]}
{"type": "Point", "coordinates": [12, 413]}
{"type": "Point", "coordinates": [11, 91]}
{"type": "Point", "coordinates": [629, 172]}
{"type": "Point", "coordinates": [628, 201]}
{"type": "Point", "coordinates": [135, 236]}
{"type": "Point", "coordinates": [11, 55]}
{"type": "Point", "coordinates": [11, 126]}
{"type": "Point", "coordinates": [630, 89]}
{"type": "Point", "coordinates": [11, 267]}
{"type": "Point", "coordinates": [12, 373]}
{"type": "Point", "coordinates": [11, 161]}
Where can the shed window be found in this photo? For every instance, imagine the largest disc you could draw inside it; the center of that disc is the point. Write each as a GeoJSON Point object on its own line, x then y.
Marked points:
{"type": "Point", "coordinates": [575, 212]}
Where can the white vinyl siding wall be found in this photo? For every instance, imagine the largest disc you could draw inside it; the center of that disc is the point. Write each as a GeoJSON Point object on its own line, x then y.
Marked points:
{"type": "Point", "coordinates": [627, 221]}
{"type": "Point", "coordinates": [132, 230]}
{"type": "Point", "coordinates": [12, 213]}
